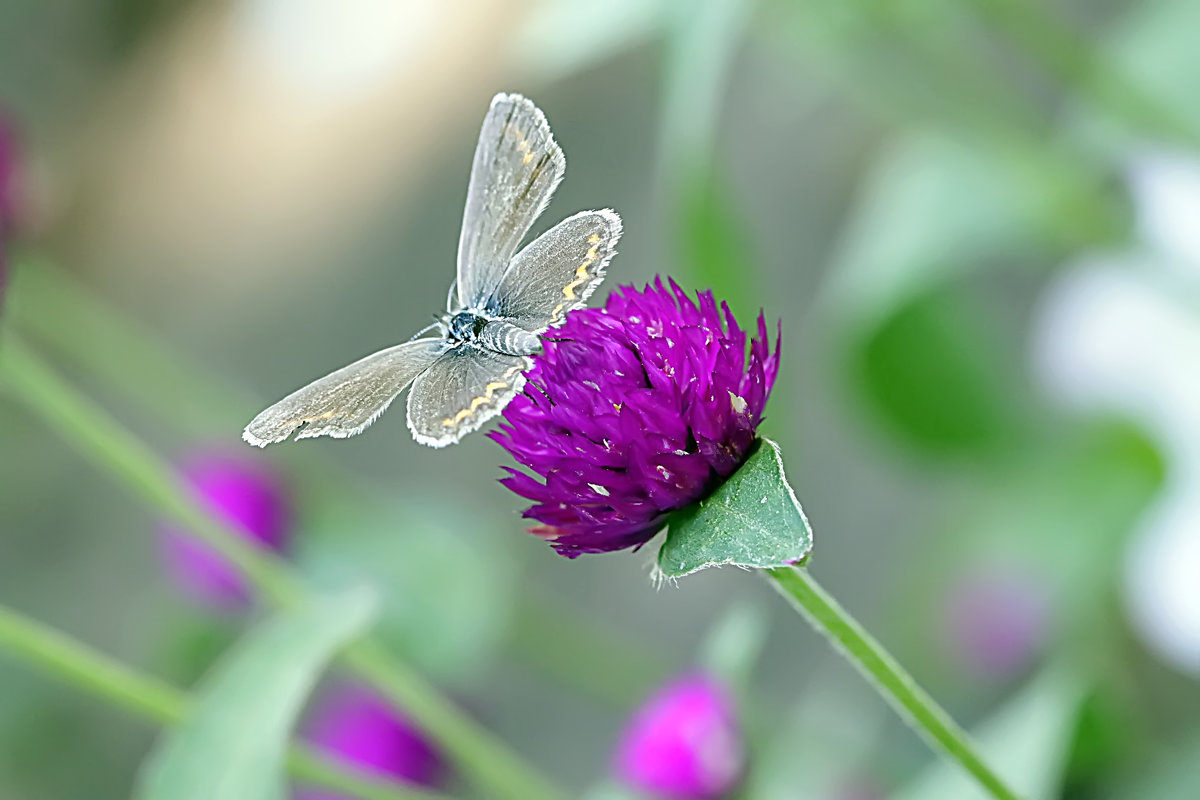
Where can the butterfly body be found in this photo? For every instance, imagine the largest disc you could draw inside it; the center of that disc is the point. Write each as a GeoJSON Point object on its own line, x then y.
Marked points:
{"type": "Point", "coordinates": [505, 300]}
{"type": "Point", "coordinates": [497, 335]}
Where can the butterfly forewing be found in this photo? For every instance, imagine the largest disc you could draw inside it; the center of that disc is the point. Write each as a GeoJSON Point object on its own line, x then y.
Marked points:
{"type": "Point", "coordinates": [556, 272]}
{"type": "Point", "coordinates": [464, 388]}
{"type": "Point", "coordinates": [345, 402]}
{"type": "Point", "coordinates": [516, 169]}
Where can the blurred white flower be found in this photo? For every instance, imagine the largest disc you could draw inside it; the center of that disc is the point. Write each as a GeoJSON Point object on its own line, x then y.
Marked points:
{"type": "Point", "coordinates": [1122, 333]}
{"type": "Point", "coordinates": [1166, 195]}
{"type": "Point", "coordinates": [334, 49]}
{"type": "Point", "coordinates": [1163, 574]}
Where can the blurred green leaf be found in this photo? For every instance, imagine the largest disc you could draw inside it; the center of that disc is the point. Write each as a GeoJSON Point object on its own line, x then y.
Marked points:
{"type": "Point", "coordinates": [936, 374]}
{"type": "Point", "coordinates": [447, 582]}
{"type": "Point", "coordinates": [929, 209]}
{"type": "Point", "coordinates": [1172, 775]}
{"type": "Point", "coordinates": [827, 740]}
{"type": "Point", "coordinates": [734, 643]}
{"type": "Point", "coordinates": [1027, 742]}
{"type": "Point", "coordinates": [232, 743]}
{"type": "Point", "coordinates": [1154, 47]}
{"type": "Point", "coordinates": [935, 210]}
{"type": "Point", "coordinates": [1106, 739]}
{"type": "Point", "coordinates": [752, 520]}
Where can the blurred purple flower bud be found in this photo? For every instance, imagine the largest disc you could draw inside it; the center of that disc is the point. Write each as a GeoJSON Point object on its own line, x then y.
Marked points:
{"type": "Point", "coordinates": [241, 490]}
{"type": "Point", "coordinates": [355, 725]}
{"type": "Point", "coordinates": [684, 742]}
{"type": "Point", "coordinates": [632, 411]}
{"type": "Point", "coordinates": [997, 621]}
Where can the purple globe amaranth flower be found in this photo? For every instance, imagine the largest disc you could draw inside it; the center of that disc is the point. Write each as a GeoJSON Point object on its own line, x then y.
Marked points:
{"type": "Point", "coordinates": [684, 742]}
{"type": "Point", "coordinates": [244, 492]}
{"type": "Point", "coordinates": [997, 621]}
{"type": "Point", "coordinates": [632, 411]}
{"type": "Point", "coordinates": [355, 725]}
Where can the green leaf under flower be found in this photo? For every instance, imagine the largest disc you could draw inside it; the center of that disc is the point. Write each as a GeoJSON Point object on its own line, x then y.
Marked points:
{"type": "Point", "coordinates": [752, 520]}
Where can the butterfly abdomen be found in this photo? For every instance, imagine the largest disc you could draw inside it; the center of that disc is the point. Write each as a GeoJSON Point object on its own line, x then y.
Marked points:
{"type": "Point", "coordinates": [504, 337]}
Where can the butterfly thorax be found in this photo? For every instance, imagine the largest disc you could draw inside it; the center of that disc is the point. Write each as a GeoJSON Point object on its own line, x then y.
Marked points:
{"type": "Point", "coordinates": [497, 335]}
{"type": "Point", "coordinates": [465, 326]}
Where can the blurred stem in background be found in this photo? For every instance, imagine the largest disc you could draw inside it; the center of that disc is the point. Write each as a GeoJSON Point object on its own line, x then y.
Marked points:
{"type": "Point", "coordinates": [480, 756]}
{"type": "Point", "coordinates": [709, 239]}
{"type": "Point", "coordinates": [90, 671]}
{"type": "Point", "coordinates": [1065, 53]}
{"type": "Point", "coordinates": [889, 678]}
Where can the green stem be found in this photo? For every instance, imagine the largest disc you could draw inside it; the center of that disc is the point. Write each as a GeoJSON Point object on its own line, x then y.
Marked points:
{"type": "Point", "coordinates": [891, 680]}
{"type": "Point", "coordinates": [113, 449]}
{"type": "Point", "coordinates": [91, 671]}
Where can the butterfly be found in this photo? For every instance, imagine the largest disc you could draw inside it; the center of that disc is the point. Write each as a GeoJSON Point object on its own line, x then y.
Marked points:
{"type": "Point", "coordinates": [500, 303]}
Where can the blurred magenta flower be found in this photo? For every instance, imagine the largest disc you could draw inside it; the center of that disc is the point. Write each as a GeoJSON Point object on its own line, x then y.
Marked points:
{"type": "Point", "coordinates": [243, 491]}
{"type": "Point", "coordinates": [632, 411]}
{"type": "Point", "coordinates": [355, 725]}
{"type": "Point", "coordinates": [997, 621]}
{"type": "Point", "coordinates": [684, 743]}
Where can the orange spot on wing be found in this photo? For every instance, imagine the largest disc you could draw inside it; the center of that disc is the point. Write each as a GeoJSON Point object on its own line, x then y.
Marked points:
{"type": "Point", "coordinates": [582, 276]}
{"type": "Point", "coordinates": [489, 392]}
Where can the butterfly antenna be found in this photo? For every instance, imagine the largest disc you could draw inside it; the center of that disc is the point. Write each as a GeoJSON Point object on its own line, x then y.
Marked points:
{"type": "Point", "coordinates": [450, 296]}
{"type": "Point", "coordinates": [427, 328]}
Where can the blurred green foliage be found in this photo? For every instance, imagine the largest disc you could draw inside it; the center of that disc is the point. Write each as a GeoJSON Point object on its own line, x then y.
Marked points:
{"type": "Point", "coordinates": [965, 151]}
{"type": "Point", "coordinates": [936, 373]}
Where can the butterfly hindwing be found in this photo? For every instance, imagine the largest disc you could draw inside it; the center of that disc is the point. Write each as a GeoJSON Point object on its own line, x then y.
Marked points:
{"type": "Point", "coordinates": [557, 272]}
{"type": "Point", "coordinates": [464, 388]}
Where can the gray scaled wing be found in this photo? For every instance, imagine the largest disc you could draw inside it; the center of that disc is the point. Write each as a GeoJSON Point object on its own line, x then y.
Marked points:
{"type": "Point", "coordinates": [516, 169]}
{"type": "Point", "coordinates": [345, 402]}
{"type": "Point", "coordinates": [464, 388]}
{"type": "Point", "coordinates": [558, 271]}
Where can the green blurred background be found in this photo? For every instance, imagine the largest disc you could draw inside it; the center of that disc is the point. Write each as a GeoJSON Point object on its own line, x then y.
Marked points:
{"type": "Point", "coordinates": [979, 223]}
